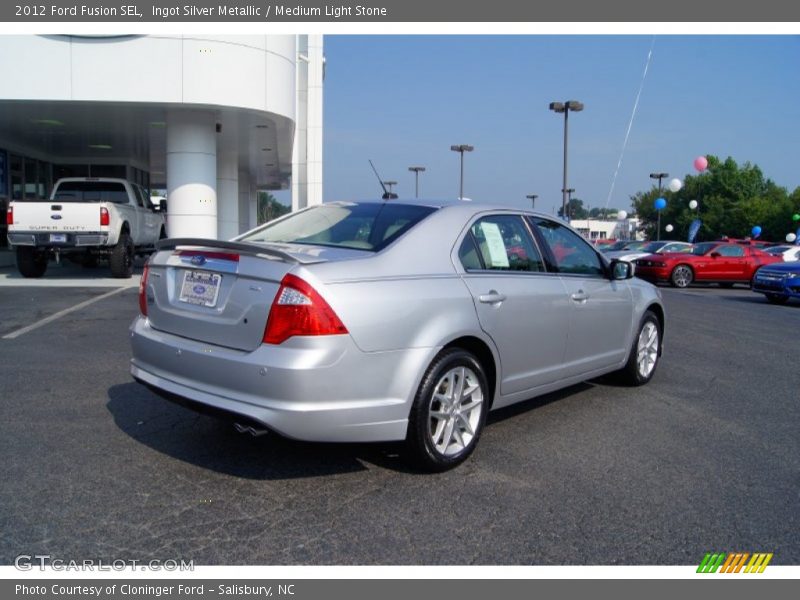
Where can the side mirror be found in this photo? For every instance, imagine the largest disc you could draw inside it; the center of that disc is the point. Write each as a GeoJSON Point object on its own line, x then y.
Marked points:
{"type": "Point", "coordinates": [162, 206]}
{"type": "Point", "coordinates": [715, 255]}
{"type": "Point", "coordinates": [621, 269]}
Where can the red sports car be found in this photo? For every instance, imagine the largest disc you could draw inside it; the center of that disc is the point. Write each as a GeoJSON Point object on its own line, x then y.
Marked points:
{"type": "Point", "coordinates": [710, 262]}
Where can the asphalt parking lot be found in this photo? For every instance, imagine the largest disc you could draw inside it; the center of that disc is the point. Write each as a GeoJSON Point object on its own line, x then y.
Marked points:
{"type": "Point", "coordinates": [705, 458]}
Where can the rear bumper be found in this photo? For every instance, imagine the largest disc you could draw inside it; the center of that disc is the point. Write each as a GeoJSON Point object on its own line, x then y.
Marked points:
{"type": "Point", "coordinates": [315, 389]}
{"type": "Point", "coordinates": [82, 239]}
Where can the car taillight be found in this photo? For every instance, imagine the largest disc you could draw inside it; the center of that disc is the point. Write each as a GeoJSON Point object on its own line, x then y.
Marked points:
{"type": "Point", "coordinates": [143, 290]}
{"type": "Point", "coordinates": [299, 310]}
{"type": "Point", "coordinates": [10, 215]}
{"type": "Point", "coordinates": [104, 218]}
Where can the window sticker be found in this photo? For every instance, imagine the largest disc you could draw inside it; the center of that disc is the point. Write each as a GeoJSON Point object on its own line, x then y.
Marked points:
{"type": "Point", "coordinates": [495, 245]}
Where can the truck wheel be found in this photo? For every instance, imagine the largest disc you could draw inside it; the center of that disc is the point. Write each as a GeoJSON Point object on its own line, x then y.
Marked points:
{"type": "Point", "coordinates": [31, 262]}
{"type": "Point", "coordinates": [121, 258]}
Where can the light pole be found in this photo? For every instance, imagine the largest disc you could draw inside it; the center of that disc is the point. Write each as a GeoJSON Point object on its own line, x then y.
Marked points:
{"type": "Point", "coordinates": [461, 148]}
{"type": "Point", "coordinates": [390, 185]}
{"type": "Point", "coordinates": [417, 171]}
{"type": "Point", "coordinates": [565, 107]}
{"type": "Point", "coordinates": [568, 194]}
{"type": "Point", "coordinates": [659, 176]}
{"type": "Point", "coordinates": [532, 198]}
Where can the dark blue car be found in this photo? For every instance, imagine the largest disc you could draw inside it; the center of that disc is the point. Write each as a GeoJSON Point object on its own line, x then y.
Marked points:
{"type": "Point", "coordinates": [778, 281]}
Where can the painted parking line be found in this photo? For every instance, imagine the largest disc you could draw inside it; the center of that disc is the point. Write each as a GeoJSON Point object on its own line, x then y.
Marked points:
{"type": "Point", "coordinates": [61, 313]}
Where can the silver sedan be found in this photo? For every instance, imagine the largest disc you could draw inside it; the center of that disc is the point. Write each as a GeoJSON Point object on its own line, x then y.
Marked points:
{"type": "Point", "coordinates": [378, 321]}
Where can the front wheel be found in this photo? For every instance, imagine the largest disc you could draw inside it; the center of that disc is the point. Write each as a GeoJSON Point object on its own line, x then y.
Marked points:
{"type": "Point", "coordinates": [777, 299]}
{"type": "Point", "coordinates": [682, 276]}
{"type": "Point", "coordinates": [449, 411]}
{"type": "Point", "coordinates": [644, 353]}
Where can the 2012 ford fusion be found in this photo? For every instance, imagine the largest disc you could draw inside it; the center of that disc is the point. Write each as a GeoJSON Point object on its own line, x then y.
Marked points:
{"type": "Point", "coordinates": [392, 320]}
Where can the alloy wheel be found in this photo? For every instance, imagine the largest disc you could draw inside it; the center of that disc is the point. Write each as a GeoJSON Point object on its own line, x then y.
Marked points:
{"type": "Point", "coordinates": [455, 411]}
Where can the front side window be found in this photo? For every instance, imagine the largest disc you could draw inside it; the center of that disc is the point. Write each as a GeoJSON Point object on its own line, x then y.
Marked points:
{"type": "Point", "coordinates": [368, 226]}
{"type": "Point", "coordinates": [572, 254]}
{"type": "Point", "coordinates": [500, 243]}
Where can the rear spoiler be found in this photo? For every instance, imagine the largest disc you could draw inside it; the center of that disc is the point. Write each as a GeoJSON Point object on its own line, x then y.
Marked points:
{"type": "Point", "coordinates": [250, 249]}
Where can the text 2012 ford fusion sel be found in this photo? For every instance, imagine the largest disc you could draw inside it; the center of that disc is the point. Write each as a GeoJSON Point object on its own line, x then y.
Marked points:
{"type": "Point", "coordinates": [378, 321]}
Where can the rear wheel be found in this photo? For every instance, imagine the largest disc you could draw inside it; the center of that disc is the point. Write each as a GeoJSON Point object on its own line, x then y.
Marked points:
{"type": "Point", "coordinates": [121, 258]}
{"type": "Point", "coordinates": [449, 411]}
{"type": "Point", "coordinates": [681, 276]}
{"type": "Point", "coordinates": [777, 298]}
{"type": "Point", "coordinates": [31, 263]}
{"type": "Point", "coordinates": [644, 354]}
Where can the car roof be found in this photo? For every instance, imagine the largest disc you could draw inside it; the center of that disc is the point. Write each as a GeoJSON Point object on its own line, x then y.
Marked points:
{"type": "Point", "coordinates": [447, 203]}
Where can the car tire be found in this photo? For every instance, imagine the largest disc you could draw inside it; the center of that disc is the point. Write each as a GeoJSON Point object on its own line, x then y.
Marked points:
{"type": "Point", "coordinates": [443, 430]}
{"type": "Point", "coordinates": [121, 258]}
{"type": "Point", "coordinates": [777, 298]}
{"type": "Point", "coordinates": [644, 353]}
{"type": "Point", "coordinates": [31, 263]}
{"type": "Point", "coordinates": [681, 276]}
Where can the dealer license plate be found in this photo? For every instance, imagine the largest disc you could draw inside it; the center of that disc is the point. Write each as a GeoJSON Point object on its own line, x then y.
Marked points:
{"type": "Point", "coordinates": [200, 288]}
{"type": "Point", "coordinates": [58, 237]}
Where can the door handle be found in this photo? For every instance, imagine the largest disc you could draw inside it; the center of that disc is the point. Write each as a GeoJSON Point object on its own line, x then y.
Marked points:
{"type": "Point", "coordinates": [580, 296]}
{"type": "Point", "coordinates": [493, 297]}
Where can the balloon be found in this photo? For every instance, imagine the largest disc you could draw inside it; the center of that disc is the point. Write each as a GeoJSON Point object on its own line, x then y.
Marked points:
{"type": "Point", "coordinates": [701, 163]}
{"type": "Point", "coordinates": [796, 217]}
{"type": "Point", "coordinates": [669, 228]}
{"type": "Point", "coordinates": [791, 238]}
{"type": "Point", "coordinates": [660, 204]}
{"type": "Point", "coordinates": [675, 185]}
{"type": "Point", "coordinates": [622, 215]}
{"type": "Point", "coordinates": [756, 231]}
{"type": "Point", "coordinates": [693, 204]}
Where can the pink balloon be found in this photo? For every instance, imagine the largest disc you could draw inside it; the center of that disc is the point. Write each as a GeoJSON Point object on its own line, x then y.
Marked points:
{"type": "Point", "coordinates": [701, 163]}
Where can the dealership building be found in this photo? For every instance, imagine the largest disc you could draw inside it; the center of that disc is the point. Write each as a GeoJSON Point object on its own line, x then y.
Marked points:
{"type": "Point", "coordinates": [211, 119]}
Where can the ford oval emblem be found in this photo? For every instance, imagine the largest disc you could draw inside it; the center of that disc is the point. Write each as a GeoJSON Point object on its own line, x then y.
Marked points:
{"type": "Point", "coordinates": [55, 217]}
{"type": "Point", "coordinates": [198, 259]}
{"type": "Point", "coordinates": [199, 290]}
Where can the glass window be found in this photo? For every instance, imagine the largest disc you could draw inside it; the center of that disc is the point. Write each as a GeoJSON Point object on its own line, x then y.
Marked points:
{"type": "Point", "coordinates": [570, 251]}
{"type": "Point", "coordinates": [367, 226]}
{"type": "Point", "coordinates": [140, 197]}
{"type": "Point", "coordinates": [468, 255]}
{"type": "Point", "coordinates": [504, 244]}
{"type": "Point", "coordinates": [735, 251]}
{"type": "Point", "coordinates": [91, 191]}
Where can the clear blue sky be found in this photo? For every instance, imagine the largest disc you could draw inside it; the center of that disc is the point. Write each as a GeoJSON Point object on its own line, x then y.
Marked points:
{"type": "Point", "coordinates": [403, 100]}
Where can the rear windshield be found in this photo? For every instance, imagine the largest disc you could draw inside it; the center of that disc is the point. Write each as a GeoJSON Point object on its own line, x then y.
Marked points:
{"type": "Point", "coordinates": [368, 226]}
{"type": "Point", "coordinates": [91, 191]}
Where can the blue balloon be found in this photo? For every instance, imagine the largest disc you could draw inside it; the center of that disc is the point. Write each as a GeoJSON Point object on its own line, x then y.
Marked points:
{"type": "Point", "coordinates": [660, 204]}
{"type": "Point", "coordinates": [756, 231]}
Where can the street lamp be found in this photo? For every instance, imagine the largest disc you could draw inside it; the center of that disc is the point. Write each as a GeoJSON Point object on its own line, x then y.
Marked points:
{"type": "Point", "coordinates": [659, 176]}
{"type": "Point", "coordinates": [417, 171]}
{"type": "Point", "coordinates": [461, 148]}
{"type": "Point", "coordinates": [565, 107]}
{"type": "Point", "coordinates": [532, 198]}
{"type": "Point", "coordinates": [568, 193]}
{"type": "Point", "coordinates": [390, 185]}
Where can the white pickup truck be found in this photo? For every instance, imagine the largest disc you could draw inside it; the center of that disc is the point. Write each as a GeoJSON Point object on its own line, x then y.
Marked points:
{"type": "Point", "coordinates": [85, 219]}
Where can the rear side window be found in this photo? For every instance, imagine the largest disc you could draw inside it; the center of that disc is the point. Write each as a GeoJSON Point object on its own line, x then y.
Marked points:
{"type": "Point", "coordinates": [91, 191]}
{"type": "Point", "coordinates": [500, 243]}
{"type": "Point", "coordinates": [367, 226]}
{"type": "Point", "coordinates": [733, 251]}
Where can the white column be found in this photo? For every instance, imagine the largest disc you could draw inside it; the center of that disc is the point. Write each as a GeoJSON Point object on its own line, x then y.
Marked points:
{"type": "Point", "coordinates": [307, 147]}
{"type": "Point", "coordinates": [227, 186]}
{"type": "Point", "coordinates": [191, 174]}
{"type": "Point", "coordinates": [244, 199]}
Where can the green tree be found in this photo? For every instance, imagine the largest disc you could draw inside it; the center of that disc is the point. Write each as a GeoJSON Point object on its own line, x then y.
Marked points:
{"type": "Point", "coordinates": [269, 208]}
{"type": "Point", "coordinates": [575, 208]}
{"type": "Point", "coordinates": [732, 199]}
{"type": "Point", "coordinates": [603, 213]}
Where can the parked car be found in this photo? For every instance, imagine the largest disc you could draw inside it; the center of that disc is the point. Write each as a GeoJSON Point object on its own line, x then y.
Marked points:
{"type": "Point", "coordinates": [778, 282]}
{"type": "Point", "coordinates": [85, 219]}
{"type": "Point", "coordinates": [659, 247]}
{"type": "Point", "coordinates": [621, 245]}
{"type": "Point", "coordinates": [786, 252]}
{"type": "Point", "coordinates": [710, 262]}
{"type": "Point", "coordinates": [376, 321]}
